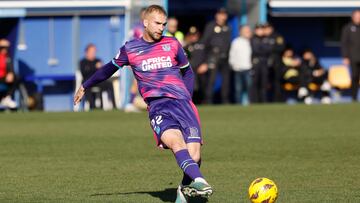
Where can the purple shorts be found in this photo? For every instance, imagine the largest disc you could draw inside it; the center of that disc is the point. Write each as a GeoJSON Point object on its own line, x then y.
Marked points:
{"type": "Point", "coordinates": [168, 113]}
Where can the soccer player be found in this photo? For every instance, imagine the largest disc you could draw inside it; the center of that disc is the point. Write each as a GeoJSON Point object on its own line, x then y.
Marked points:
{"type": "Point", "coordinates": [165, 81]}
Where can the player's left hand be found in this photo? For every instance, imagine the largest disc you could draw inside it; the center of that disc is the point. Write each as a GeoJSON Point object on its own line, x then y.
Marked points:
{"type": "Point", "coordinates": [79, 95]}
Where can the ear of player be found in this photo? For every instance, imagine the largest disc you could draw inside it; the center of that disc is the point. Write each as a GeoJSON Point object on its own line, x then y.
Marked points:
{"type": "Point", "coordinates": [263, 190]}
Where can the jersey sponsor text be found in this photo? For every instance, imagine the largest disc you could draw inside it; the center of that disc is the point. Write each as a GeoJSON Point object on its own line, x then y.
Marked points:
{"type": "Point", "coordinates": [156, 63]}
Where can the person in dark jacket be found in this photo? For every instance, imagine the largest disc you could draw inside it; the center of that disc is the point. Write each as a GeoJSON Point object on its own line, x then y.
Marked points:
{"type": "Point", "coordinates": [291, 73]}
{"type": "Point", "coordinates": [261, 50]}
{"type": "Point", "coordinates": [88, 66]}
{"type": "Point", "coordinates": [217, 39]}
{"type": "Point", "coordinates": [195, 52]}
{"type": "Point", "coordinates": [277, 43]}
{"type": "Point", "coordinates": [350, 48]}
{"type": "Point", "coordinates": [313, 79]}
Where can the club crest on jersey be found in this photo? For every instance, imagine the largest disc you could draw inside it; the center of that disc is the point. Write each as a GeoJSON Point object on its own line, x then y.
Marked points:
{"type": "Point", "coordinates": [166, 47]}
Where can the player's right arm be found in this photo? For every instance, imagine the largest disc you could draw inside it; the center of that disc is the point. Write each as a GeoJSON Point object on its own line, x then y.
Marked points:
{"type": "Point", "coordinates": [106, 71]}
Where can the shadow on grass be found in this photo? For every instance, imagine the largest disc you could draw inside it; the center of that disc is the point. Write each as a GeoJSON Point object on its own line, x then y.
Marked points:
{"type": "Point", "coordinates": [167, 195]}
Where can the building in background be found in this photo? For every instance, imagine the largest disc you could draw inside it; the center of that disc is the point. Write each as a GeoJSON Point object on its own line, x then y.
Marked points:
{"type": "Point", "coordinates": [313, 24]}
{"type": "Point", "coordinates": [49, 36]}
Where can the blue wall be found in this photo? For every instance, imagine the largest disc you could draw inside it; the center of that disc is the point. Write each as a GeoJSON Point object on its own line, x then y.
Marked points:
{"type": "Point", "coordinates": [37, 39]}
{"type": "Point", "coordinates": [99, 31]}
{"type": "Point", "coordinates": [34, 60]}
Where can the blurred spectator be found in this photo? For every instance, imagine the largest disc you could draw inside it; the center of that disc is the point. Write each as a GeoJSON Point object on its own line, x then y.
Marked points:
{"type": "Point", "coordinates": [8, 80]}
{"type": "Point", "coordinates": [261, 50]}
{"type": "Point", "coordinates": [195, 51]}
{"type": "Point", "coordinates": [138, 28]}
{"type": "Point", "coordinates": [240, 61]}
{"type": "Point", "coordinates": [277, 44]}
{"type": "Point", "coordinates": [172, 30]}
{"type": "Point", "coordinates": [136, 103]}
{"type": "Point", "coordinates": [291, 73]}
{"type": "Point", "coordinates": [350, 47]}
{"type": "Point", "coordinates": [217, 40]}
{"type": "Point", "coordinates": [313, 79]}
{"type": "Point", "coordinates": [88, 66]}
{"type": "Point", "coordinates": [90, 63]}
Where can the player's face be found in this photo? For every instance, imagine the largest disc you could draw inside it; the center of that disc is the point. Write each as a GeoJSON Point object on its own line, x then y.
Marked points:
{"type": "Point", "coordinates": [154, 24]}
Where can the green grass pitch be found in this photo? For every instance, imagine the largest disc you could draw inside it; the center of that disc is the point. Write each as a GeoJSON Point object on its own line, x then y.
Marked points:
{"type": "Point", "coordinates": [311, 152]}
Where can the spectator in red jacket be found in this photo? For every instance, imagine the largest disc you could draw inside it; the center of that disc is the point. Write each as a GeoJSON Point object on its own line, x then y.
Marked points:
{"type": "Point", "coordinates": [7, 76]}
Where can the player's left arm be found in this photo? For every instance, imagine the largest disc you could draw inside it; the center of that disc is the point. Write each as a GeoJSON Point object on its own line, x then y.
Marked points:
{"type": "Point", "coordinates": [103, 73]}
{"type": "Point", "coordinates": [100, 75]}
{"type": "Point", "coordinates": [185, 68]}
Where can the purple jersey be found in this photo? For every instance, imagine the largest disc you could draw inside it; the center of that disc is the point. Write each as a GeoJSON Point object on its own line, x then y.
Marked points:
{"type": "Point", "coordinates": [156, 67]}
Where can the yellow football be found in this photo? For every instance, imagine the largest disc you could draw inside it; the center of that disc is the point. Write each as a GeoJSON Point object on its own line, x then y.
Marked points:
{"type": "Point", "coordinates": [263, 190]}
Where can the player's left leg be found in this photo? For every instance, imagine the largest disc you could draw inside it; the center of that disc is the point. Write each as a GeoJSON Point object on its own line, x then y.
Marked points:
{"type": "Point", "coordinates": [194, 151]}
{"type": "Point", "coordinates": [188, 186]}
{"type": "Point", "coordinates": [196, 187]}
{"type": "Point", "coordinates": [174, 139]}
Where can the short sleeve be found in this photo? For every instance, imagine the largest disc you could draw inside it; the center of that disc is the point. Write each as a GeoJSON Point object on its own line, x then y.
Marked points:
{"type": "Point", "coordinates": [181, 57]}
{"type": "Point", "coordinates": [121, 59]}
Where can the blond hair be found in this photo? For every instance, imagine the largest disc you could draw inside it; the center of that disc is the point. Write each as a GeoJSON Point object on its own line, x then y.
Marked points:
{"type": "Point", "coordinates": [154, 8]}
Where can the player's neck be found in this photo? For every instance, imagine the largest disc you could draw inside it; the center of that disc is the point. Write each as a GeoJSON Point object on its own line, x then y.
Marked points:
{"type": "Point", "coordinates": [148, 38]}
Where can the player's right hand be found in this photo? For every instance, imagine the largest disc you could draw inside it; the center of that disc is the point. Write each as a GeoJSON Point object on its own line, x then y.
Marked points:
{"type": "Point", "coordinates": [79, 95]}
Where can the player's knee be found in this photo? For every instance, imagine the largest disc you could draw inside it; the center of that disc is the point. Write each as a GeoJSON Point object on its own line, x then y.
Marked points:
{"type": "Point", "coordinates": [173, 139]}
{"type": "Point", "coordinates": [195, 157]}
{"type": "Point", "coordinates": [194, 151]}
{"type": "Point", "coordinates": [177, 146]}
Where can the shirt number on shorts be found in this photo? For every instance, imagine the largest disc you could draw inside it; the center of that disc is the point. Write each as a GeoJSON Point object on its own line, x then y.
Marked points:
{"type": "Point", "coordinates": [155, 122]}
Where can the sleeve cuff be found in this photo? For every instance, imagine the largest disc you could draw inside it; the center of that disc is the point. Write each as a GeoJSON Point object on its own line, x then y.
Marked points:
{"type": "Point", "coordinates": [185, 66]}
{"type": "Point", "coordinates": [115, 64]}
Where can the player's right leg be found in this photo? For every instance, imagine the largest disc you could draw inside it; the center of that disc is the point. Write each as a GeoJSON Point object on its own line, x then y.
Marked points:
{"type": "Point", "coordinates": [173, 139]}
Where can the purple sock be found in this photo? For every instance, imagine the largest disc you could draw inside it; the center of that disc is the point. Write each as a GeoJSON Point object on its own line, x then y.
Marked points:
{"type": "Point", "coordinates": [186, 179]}
{"type": "Point", "coordinates": [187, 164]}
